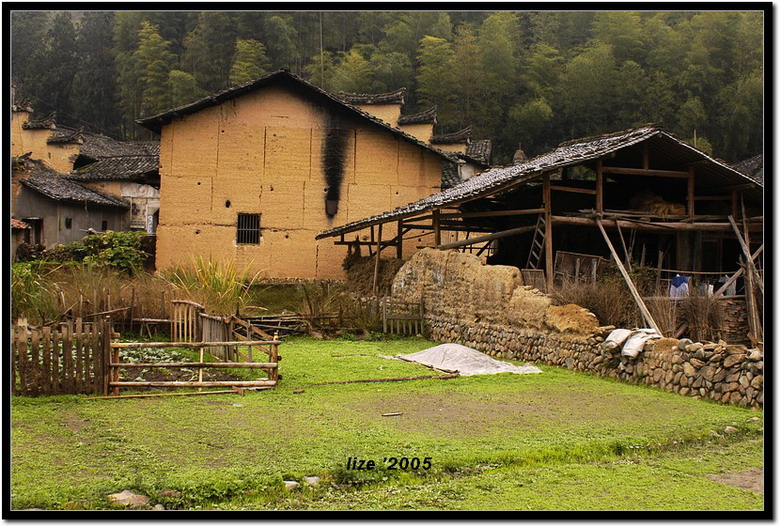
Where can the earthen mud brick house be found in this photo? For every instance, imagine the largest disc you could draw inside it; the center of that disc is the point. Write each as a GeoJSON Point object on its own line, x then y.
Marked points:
{"type": "Point", "coordinates": [253, 173]}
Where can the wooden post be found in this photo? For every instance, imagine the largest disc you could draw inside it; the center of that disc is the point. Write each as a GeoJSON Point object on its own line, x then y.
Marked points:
{"type": "Point", "coordinates": [658, 273]}
{"type": "Point", "coordinates": [376, 262]}
{"type": "Point", "coordinates": [637, 298]}
{"type": "Point", "coordinates": [691, 193]}
{"type": "Point", "coordinates": [132, 306]}
{"type": "Point", "coordinates": [625, 249]}
{"type": "Point", "coordinates": [746, 252]}
{"type": "Point", "coordinates": [399, 248]}
{"type": "Point", "coordinates": [548, 242]}
{"type": "Point", "coordinates": [599, 186]}
{"type": "Point", "coordinates": [436, 229]}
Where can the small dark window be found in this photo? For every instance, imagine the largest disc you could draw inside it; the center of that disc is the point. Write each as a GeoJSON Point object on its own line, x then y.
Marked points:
{"type": "Point", "coordinates": [68, 223]}
{"type": "Point", "coordinates": [248, 229]}
{"type": "Point", "coordinates": [104, 225]}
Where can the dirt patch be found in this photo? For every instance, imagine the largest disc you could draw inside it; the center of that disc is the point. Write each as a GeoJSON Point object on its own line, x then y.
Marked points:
{"type": "Point", "coordinates": [464, 415]}
{"type": "Point", "coordinates": [75, 423]}
{"type": "Point", "coordinates": [751, 479]}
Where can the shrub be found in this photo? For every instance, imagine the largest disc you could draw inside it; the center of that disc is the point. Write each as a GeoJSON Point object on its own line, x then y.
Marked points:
{"type": "Point", "coordinates": [120, 250]}
{"type": "Point", "coordinates": [703, 315]}
{"type": "Point", "coordinates": [609, 299]}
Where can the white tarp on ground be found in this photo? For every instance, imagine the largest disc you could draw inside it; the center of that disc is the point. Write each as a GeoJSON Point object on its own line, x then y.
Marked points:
{"type": "Point", "coordinates": [465, 360]}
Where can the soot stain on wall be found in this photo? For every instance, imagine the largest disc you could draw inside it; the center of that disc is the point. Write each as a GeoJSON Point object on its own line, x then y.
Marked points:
{"type": "Point", "coordinates": [334, 146]}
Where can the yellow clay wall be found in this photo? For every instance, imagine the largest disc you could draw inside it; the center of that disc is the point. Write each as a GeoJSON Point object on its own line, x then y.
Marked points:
{"type": "Point", "coordinates": [262, 153]}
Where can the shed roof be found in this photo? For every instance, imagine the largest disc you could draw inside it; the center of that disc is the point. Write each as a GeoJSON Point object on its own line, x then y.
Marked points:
{"type": "Point", "coordinates": [424, 117]}
{"type": "Point", "coordinates": [752, 167]}
{"type": "Point", "coordinates": [155, 122]}
{"type": "Point", "coordinates": [567, 154]}
{"type": "Point", "coordinates": [57, 186]}
{"type": "Point", "coordinates": [391, 97]}
{"type": "Point", "coordinates": [19, 224]}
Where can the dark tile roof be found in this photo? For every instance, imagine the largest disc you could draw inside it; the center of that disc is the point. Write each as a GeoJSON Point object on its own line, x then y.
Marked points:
{"type": "Point", "coordinates": [752, 167]}
{"type": "Point", "coordinates": [480, 150]}
{"type": "Point", "coordinates": [450, 176]}
{"type": "Point", "coordinates": [47, 122]}
{"type": "Point", "coordinates": [425, 117]}
{"type": "Point", "coordinates": [18, 224]}
{"type": "Point", "coordinates": [62, 136]}
{"type": "Point", "coordinates": [391, 97]}
{"type": "Point", "coordinates": [155, 122]}
{"type": "Point", "coordinates": [126, 168]}
{"type": "Point", "coordinates": [461, 136]}
{"type": "Point", "coordinates": [57, 186]}
{"type": "Point", "coordinates": [567, 154]}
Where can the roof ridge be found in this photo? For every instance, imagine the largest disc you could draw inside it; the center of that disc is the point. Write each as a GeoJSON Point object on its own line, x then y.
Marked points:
{"type": "Point", "coordinates": [391, 97]}
{"type": "Point", "coordinates": [423, 117]}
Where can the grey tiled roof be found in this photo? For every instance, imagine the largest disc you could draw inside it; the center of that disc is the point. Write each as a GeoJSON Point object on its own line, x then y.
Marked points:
{"type": "Point", "coordinates": [753, 167]}
{"type": "Point", "coordinates": [424, 117]}
{"type": "Point", "coordinates": [48, 121]}
{"type": "Point", "coordinates": [568, 154]}
{"type": "Point", "coordinates": [392, 97]}
{"type": "Point", "coordinates": [58, 187]}
{"type": "Point", "coordinates": [480, 150]}
{"type": "Point", "coordinates": [155, 122]}
{"type": "Point", "coordinates": [117, 168]}
{"type": "Point", "coordinates": [461, 136]}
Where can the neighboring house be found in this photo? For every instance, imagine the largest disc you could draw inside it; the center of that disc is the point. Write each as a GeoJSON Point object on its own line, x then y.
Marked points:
{"type": "Point", "coordinates": [252, 173]}
{"type": "Point", "coordinates": [123, 169]}
{"type": "Point", "coordinates": [57, 209]}
{"type": "Point", "coordinates": [20, 233]}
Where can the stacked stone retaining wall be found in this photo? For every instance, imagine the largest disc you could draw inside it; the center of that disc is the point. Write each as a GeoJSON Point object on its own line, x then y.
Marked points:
{"type": "Point", "coordinates": [488, 308]}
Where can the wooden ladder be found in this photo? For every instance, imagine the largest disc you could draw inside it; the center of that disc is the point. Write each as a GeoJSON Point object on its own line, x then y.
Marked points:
{"type": "Point", "coordinates": [537, 245]}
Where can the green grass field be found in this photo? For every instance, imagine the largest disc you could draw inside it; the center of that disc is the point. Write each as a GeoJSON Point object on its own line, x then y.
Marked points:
{"type": "Point", "coordinates": [559, 440]}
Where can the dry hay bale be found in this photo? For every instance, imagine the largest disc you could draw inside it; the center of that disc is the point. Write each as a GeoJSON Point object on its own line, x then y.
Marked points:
{"type": "Point", "coordinates": [571, 318]}
{"type": "Point", "coordinates": [527, 309]}
{"type": "Point", "coordinates": [666, 345]}
{"type": "Point", "coordinates": [651, 202]}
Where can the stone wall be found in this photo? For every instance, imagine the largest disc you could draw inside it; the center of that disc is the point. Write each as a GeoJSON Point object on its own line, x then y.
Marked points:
{"type": "Point", "coordinates": [488, 308]}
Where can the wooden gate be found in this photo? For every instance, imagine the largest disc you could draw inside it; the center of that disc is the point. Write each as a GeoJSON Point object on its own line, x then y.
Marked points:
{"type": "Point", "coordinates": [185, 320]}
{"type": "Point", "coordinates": [403, 318]}
{"type": "Point", "coordinates": [69, 358]}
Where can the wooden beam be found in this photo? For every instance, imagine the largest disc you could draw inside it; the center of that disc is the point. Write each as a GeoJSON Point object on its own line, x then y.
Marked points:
{"type": "Point", "coordinates": [625, 249]}
{"type": "Point", "coordinates": [722, 197]}
{"type": "Point", "coordinates": [399, 248]}
{"type": "Point", "coordinates": [487, 237]}
{"type": "Point", "coordinates": [733, 278]}
{"type": "Point", "coordinates": [646, 172]}
{"type": "Point", "coordinates": [436, 228]}
{"type": "Point", "coordinates": [746, 253]}
{"type": "Point", "coordinates": [574, 190]}
{"type": "Point", "coordinates": [637, 298]}
{"type": "Point", "coordinates": [548, 242]}
{"type": "Point", "coordinates": [667, 227]}
{"type": "Point", "coordinates": [376, 262]}
{"type": "Point", "coordinates": [691, 193]}
{"type": "Point", "coordinates": [599, 186]}
{"type": "Point", "coordinates": [491, 213]}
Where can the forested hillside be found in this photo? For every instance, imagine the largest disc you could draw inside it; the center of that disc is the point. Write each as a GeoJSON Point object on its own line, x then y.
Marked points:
{"type": "Point", "coordinates": [533, 77]}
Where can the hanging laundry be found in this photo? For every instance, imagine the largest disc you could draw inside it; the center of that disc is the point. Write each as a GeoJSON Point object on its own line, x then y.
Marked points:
{"type": "Point", "coordinates": [679, 287]}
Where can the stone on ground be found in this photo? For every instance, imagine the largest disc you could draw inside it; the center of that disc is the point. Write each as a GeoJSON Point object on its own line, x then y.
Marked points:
{"type": "Point", "coordinates": [129, 498]}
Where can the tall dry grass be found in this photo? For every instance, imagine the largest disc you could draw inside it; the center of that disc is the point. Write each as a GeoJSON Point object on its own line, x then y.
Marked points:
{"type": "Point", "coordinates": [704, 315]}
{"type": "Point", "coordinates": [609, 300]}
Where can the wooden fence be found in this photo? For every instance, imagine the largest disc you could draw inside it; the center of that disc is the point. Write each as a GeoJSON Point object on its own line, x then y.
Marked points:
{"type": "Point", "coordinates": [69, 358]}
{"type": "Point", "coordinates": [403, 318]}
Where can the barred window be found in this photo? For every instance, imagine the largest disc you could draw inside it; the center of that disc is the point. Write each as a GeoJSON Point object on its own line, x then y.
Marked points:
{"type": "Point", "coordinates": [248, 232]}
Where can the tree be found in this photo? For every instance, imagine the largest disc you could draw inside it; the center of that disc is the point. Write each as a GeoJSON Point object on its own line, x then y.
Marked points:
{"type": "Point", "coordinates": [435, 77]}
{"type": "Point", "coordinates": [466, 60]}
{"type": "Point", "coordinates": [155, 61]}
{"type": "Point", "coordinates": [208, 50]}
{"type": "Point", "coordinates": [183, 88]}
{"type": "Point", "coordinates": [249, 61]}
{"type": "Point", "coordinates": [586, 95]}
{"type": "Point", "coordinates": [390, 70]}
{"type": "Point", "coordinates": [282, 46]}
{"type": "Point", "coordinates": [623, 31]}
{"type": "Point", "coordinates": [351, 74]}
{"type": "Point", "coordinates": [94, 95]}
{"type": "Point", "coordinates": [58, 65]}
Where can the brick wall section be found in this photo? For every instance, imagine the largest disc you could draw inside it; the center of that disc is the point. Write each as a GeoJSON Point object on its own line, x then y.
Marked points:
{"type": "Point", "coordinates": [488, 308]}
